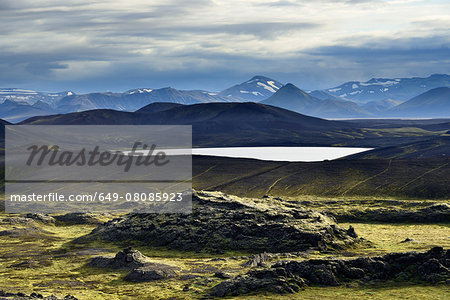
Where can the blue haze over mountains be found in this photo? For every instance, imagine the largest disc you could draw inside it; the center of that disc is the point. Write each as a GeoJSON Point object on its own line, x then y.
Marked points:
{"type": "Point", "coordinates": [378, 97]}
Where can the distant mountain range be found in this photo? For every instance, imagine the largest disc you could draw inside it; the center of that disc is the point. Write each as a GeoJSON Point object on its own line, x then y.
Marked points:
{"type": "Point", "coordinates": [433, 103]}
{"type": "Point", "coordinates": [29, 96]}
{"type": "Point", "coordinates": [292, 98]}
{"type": "Point", "coordinates": [374, 98]}
{"type": "Point", "coordinates": [388, 88]}
{"type": "Point", "coordinates": [253, 90]}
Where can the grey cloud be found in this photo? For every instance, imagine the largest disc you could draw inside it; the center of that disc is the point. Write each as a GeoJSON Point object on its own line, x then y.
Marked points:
{"type": "Point", "coordinates": [294, 3]}
{"type": "Point", "coordinates": [261, 30]}
{"type": "Point", "coordinates": [43, 68]}
{"type": "Point", "coordinates": [281, 3]}
{"type": "Point", "coordinates": [394, 50]}
{"type": "Point", "coordinates": [195, 53]}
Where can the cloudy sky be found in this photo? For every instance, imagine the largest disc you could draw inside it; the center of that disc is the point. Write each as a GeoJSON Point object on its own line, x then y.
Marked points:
{"type": "Point", "coordinates": [86, 45]}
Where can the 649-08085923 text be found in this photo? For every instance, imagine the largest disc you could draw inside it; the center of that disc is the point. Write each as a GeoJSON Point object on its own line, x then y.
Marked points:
{"type": "Point", "coordinates": [98, 197]}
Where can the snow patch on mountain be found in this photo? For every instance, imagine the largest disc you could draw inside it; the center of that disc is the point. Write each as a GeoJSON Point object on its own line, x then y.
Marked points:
{"type": "Point", "coordinates": [269, 88]}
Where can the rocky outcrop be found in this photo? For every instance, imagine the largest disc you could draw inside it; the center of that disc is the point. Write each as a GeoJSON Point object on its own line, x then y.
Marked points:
{"type": "Point", "coordinates": [289, 276]}
{"type": "Point", "coordinates": [30, 218]}
{"type": "Point", "coordinates": [430, 214]}
{"type": "Point", "coordinates": [142, 269]}
{"type": "Point", "coordinates": [150, 272]}
{"type": "Point", "coordinates": [258, 260]}
{"type": "Point", "coordinates": [28, 233]}
{"type": "Point", "coordinates": [220, 222]}
{"type": "Point", "coordinates": [126, 259]}
{"type": "Point", "coordinates": [79, 218]}
{"type": "Point", "coordinates": [17, 296]}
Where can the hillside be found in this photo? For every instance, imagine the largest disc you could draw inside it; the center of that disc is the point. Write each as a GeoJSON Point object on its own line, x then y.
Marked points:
{"type": "Point", "coordinates": [292, 98]}
{"type": "Point", "coordinates": [2, 128]}
{"type": "Point", "coordinates": [221, 124]}
{"type": "Point", "coordinates": [251, 124]}
{"type": "Point", "coordinates": [435, 147]}
{"type": "Point", "coordinates": [433, 103]}
{"type": "Point", "coordinates": [157, 107]}
{"type": "Point", "coordinates": [413, 178]}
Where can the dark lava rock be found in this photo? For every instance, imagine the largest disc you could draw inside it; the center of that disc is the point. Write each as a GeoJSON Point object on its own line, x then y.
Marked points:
{"type": "Point", "coordinates": [407, 240]}
{"type": "Point", "coordinates": [222, 275]}
{"type": "Point", "coordinates": [46, 219]}
{"type": "Point", "coordinates": [351, 232]}
{"type": "Point", "coordinates": [274, 280]}
{"type": "Point", "coordinates": [432, 266]}
{"type": "Point", "coordinates": [31, 264]}
{"type": "Point", "coordinates": [20, 295]}
{"type": "Point", "coordinates": [219, 222]}
{"type": "Point", "coordinates": [126, 259]}
{"type": "Point", "coordinates": [141, 267]}
{"type": "Point", "coordinates": [257, 260]}
{"type": "Point", "coordinates": [30, 218]}
{"type": "Point", "coordinates": [79, 218]}
{"type": "Point", "coordinates": [433, 213]}
{"type": "Point", "coordinates": [150, 272]}
{"type": "Point", "coordinates": [28, 233]}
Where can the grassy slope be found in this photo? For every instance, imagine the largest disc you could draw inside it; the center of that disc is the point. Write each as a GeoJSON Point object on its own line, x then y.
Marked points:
{"type": "Point", "coordinates": [63, 267]}
{"type": "Point", "coordinates": [339, 178]}
{"type": "Point", "coordinates": [434, 147]}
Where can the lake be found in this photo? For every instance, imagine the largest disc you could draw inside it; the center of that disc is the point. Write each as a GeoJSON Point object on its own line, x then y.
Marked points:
{"type": "Point", "coordinates": [307, 154]}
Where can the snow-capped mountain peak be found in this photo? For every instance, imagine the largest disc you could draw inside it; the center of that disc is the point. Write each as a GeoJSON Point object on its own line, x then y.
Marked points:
{"type": "Point", "coordinates": [256, 89]}
{"type": "Point", "coordinates": [139, 91]}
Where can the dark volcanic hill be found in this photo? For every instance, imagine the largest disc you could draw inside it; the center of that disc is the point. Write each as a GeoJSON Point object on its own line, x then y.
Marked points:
{"type": "Point", "coordinates": [434, 103]}
{"type": "Point", "coordinates": [2, 145]}
{"type": "Point", "coordinates": [249, 124]}
{"type": "Point", "coordinates": [2, 126]}
{"type": "Point", "coordinates": [221, 124]}
{"type": "Point", "coordinates": [157, 107]}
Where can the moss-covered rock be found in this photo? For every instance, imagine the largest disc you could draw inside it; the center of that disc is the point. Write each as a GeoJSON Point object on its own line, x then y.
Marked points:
{"type": "Point", "coordinates": [432, 266]}
{"type": "Point", "coordinates": [220, 222]}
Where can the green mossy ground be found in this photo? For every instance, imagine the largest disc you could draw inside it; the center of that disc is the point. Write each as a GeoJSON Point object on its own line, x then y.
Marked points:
{"type": "Point", "coordinates": [57, 266]}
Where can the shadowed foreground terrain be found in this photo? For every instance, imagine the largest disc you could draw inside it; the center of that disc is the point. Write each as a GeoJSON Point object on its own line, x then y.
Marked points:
{"type": "Point", "coordinates": [413, 178]}
{"type": "Point", "coordinates": [341, 229]}
{"type": "Point", "coordinates": [80, 255]}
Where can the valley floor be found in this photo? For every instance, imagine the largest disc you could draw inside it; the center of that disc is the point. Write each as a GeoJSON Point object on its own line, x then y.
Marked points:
{"type": "Point", "coordinates": [41, 258]}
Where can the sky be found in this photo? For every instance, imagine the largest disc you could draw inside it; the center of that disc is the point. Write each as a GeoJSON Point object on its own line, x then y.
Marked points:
{"type": "Point", "coordinates": [85, 45]}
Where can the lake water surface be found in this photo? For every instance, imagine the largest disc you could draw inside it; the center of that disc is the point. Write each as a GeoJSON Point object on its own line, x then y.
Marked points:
{"type": "Point", "coordinates": [281, 153]}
